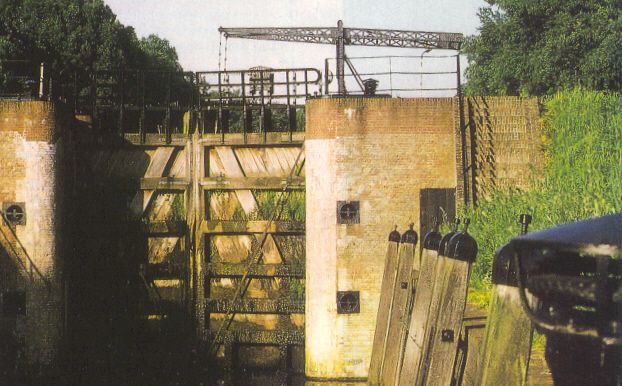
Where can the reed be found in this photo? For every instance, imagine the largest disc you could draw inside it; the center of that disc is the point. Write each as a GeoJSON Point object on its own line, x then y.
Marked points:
{"type": "Point", "coordinates": [581, 177]}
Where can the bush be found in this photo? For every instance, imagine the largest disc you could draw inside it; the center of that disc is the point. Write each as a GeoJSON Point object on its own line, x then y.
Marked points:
{"type": "Point", "coordinates": [581, 178]}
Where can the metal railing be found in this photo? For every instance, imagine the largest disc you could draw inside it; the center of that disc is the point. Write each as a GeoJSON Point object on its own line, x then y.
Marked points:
{"type": "Point", "coordinates": [258, 86]}
{"type": "Point", "coordinates": [257, 100]}
{"type": "Point", "coordinates": [169, 102]}
{"type": "Point", "coordinates": [397, 75]}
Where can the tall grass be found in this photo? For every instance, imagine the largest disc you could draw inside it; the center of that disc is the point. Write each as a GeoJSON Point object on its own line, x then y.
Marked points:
{"type": "Point", "coordinates": [581, 178]}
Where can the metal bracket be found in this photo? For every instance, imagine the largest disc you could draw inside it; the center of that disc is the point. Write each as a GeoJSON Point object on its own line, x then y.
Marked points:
{"type": "Point", "coordinates": [348, 212]}
{"type": "Point", "coordinates": [447, 336]}
{"type": "Point", "coordinates": [348, 302]}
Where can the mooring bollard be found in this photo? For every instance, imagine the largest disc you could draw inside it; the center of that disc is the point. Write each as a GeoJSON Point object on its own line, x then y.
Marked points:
{"type": "Point", "coordinates": [509, 332]}
{"type": "Point", "coordinates": [402, 292]}
{"type": "Point", "coordinates": [460, 253]}
{"type": "Point", "coordinates": [384, 307]}
{"type": "Point", "coordinates": [421, 305]}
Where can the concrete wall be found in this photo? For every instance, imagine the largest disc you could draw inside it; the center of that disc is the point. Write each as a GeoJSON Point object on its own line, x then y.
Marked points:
{"type": "Point", "coordinates": [30, 173]}
{"type": "Point", "coordinates": [380, 152]}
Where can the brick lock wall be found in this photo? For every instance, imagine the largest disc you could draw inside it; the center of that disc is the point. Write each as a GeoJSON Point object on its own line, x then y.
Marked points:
{"type": "Point", "coordinates": [29, 173]}
{"type": "Point", "coordinates": [380, 152]}
{"type": "Point", "coordinates": [507, 140]}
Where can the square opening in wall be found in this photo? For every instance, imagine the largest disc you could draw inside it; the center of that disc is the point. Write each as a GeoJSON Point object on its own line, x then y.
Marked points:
{"type": "Point", "coordinates": [348, 212]}
{"type": "Point", "coordinates": [348, 302]}
{"type": "Point", "coordinates": [13, 303]}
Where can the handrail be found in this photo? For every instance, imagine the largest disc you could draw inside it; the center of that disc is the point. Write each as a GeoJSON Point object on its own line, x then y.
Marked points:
{"type": "Point", "coordinates": [33, 266]}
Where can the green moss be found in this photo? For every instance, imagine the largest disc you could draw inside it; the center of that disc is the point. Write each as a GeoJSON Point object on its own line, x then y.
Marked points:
{"type": "Point", "coordinates": [178, 207]}
{"type": "Point", "coordinates": [267, 203]}
{"type": "Point", "coordinates": [294, 289]}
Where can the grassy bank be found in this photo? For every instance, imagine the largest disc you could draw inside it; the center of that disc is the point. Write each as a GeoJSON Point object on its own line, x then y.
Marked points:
{"type": "Point", "coordinates": [581, 178]}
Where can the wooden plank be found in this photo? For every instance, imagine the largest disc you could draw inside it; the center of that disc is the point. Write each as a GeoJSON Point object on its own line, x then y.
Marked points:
{"type": "Point", "coordinates": [164, 227]}
{"type": "Point", "coordinates": [254, 139]}
{"type": "Point", "coordinates": [435, 300]}
{"type": "Point", "coordinates": [252, 336]}
{"type": "Point", "coordinates": [267, 183]}
{"type": "Point", "coordinates": [153, 139]}
{"type": "Point", "coordinates": [402, 293]}
{"type": "Point", "coordinates": [471, 342]}
{"type": "Point", "coordinates": [384, 308]}
{"type": "Point", "coordinates": [179, 168]}
{"type": "Point", "coordinates": [419, 317]}
{"type": "Point", "coordinates": [157, 166]}
{"type": "Point", "coordinates": [164, 183]}
{"type": "Point", "coordinates": [507, 341]}
{"type": "Point", "coordinates": [257, 271]}
{"type": "Point", "coordinates": [244, 227]}
{"type": "Point", "coordinates": [196, 211]}
{"type": "Point", "coordinates": [159, 161]}
{"type": "Point", "coordinates": [269, 161]}
{"type": "Point", "coordinates": [509, 331]}
{"type": "Point", "coordinates": [253, 164]}
{"type": "Point", "coordinates": [442, 353]}
{"type": "Point", "coordinates": [256, 306]}
{"type": "Point", "coordinates": [231, 168]}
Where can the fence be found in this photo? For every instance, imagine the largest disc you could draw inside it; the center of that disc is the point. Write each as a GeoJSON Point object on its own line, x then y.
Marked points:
{"type": "Point", "coordinates": [398, 75]}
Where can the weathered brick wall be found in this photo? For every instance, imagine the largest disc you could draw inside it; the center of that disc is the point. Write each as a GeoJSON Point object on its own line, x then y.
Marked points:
{"type": "Point", "coordinates": [507, 135]}
{"type": "Point", "coordinates": [29, 173]}
{"type": "Point", "coordinates": [380, 152]}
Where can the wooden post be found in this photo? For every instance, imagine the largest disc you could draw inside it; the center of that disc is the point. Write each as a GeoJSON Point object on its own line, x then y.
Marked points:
{"type": "Point", "coordinates": [197, 172]}
{"type": "Point", "coordinates": [420, 310]}
{"type": "Point", "coordinates": [453, 281]}
{"type": "Point", "coordinates": [435, 298]}
{"type": "Point", "coordinates": [509, 331]}
{"type": "Point", "coordinates": [402, 293]}
{"type": "Point", "coordinates": [384, 308]}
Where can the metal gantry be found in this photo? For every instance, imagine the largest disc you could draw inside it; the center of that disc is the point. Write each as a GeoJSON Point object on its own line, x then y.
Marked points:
{"type": "Point", "coordinates": [341, 37]}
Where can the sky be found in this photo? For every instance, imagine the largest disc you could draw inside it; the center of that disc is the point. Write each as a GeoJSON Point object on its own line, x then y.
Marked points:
{"type": "Point", "coordinates": [192, 27]}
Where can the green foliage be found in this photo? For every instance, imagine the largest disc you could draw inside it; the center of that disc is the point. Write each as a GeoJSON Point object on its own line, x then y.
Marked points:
{"type": "Point", "coordinates": [267, 201]}
{"type": "Point", "coordinates": [76, 36]}
{"type": "Point", "coordinates": [293, 205]}
{"type": "Point", "coordinates": [529, 47]}
{"type": "Point", "coordinates": [159, 53]}
{"type": "Point", "coordinates": [581, 178]}
{"type": "Point", "coordinates": [178, 207]}
{"type": "Point", "coordinates": [279, 120]}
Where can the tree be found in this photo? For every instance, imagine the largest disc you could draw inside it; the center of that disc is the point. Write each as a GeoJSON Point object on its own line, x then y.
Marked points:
{"type": "Point", "coordinates": [76, 37]}
{"type": "Point", "coordinates": [158, 52]}
{"type": "Point", "coordinates": [537, 47]}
